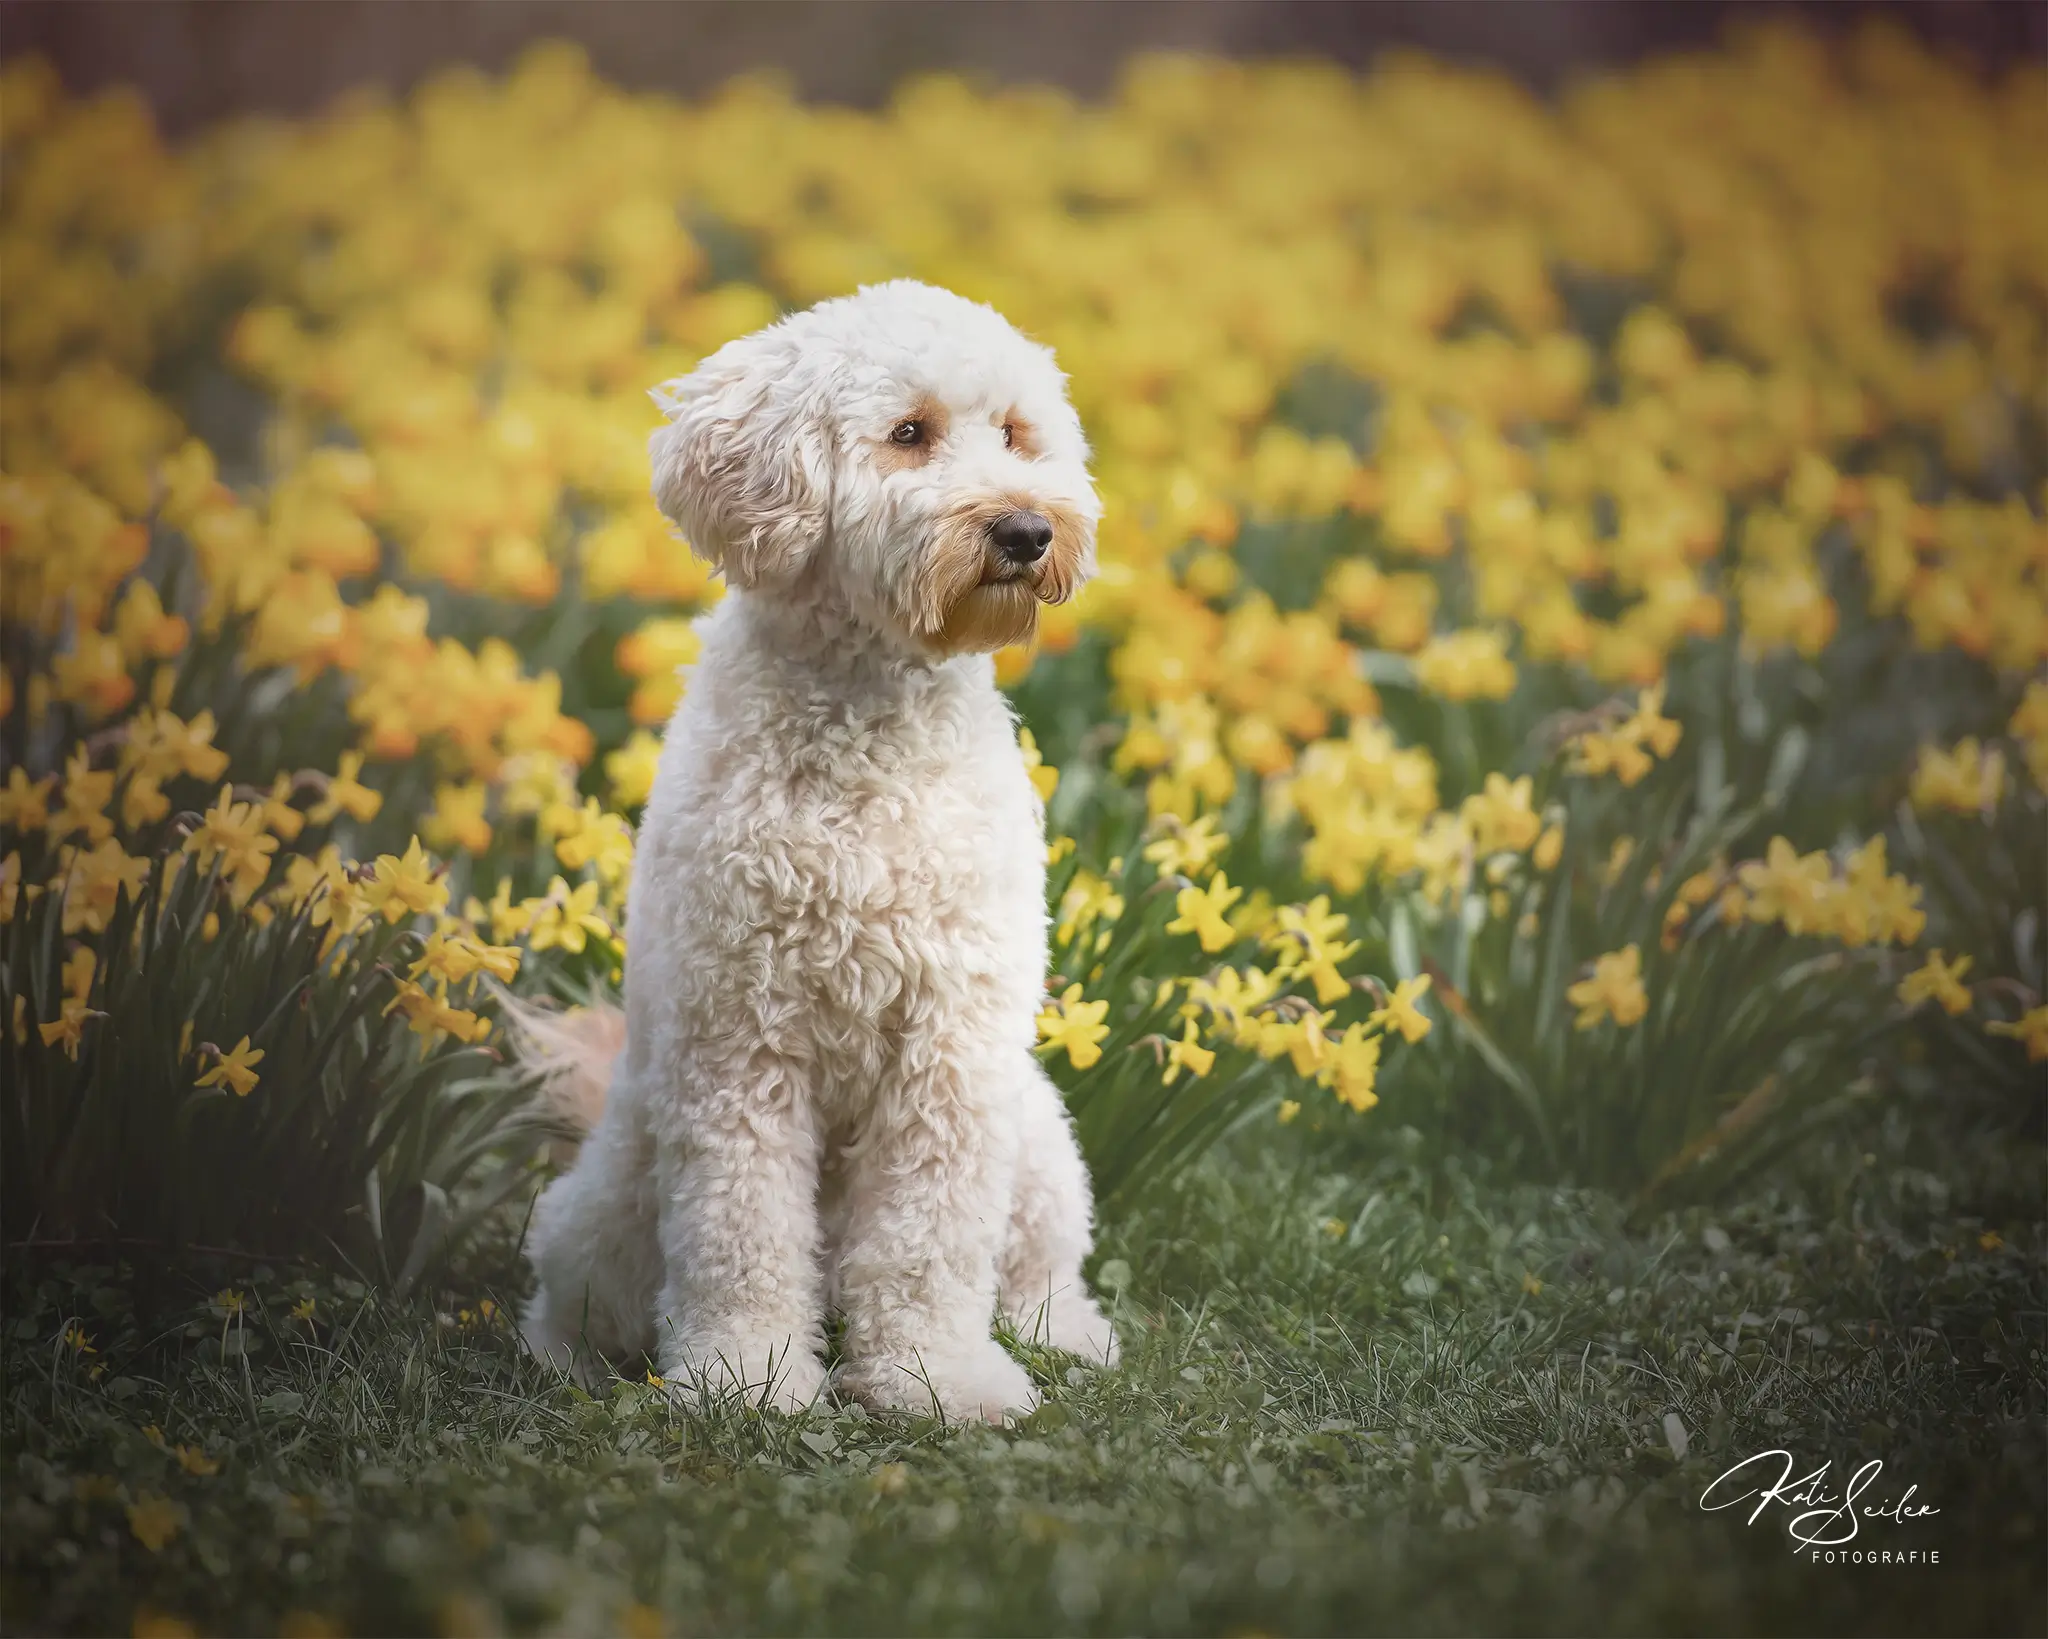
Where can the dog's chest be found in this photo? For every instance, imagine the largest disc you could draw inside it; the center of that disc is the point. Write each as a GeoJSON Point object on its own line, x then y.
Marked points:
{"type": "Point", "coordinates": [891, 858]}
{"type": "Point", "coordinates": [871, 826]}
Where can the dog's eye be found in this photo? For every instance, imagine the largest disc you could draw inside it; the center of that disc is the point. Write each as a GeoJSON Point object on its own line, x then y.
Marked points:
{"type": "Point", "coordinates": [1009, 435]}
{"type": "Point", "coordinates": [907, 432]}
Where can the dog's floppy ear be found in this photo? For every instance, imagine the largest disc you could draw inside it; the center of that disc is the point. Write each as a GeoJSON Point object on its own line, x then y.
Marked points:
{"type": "Point", "coordinates": [744, 464]}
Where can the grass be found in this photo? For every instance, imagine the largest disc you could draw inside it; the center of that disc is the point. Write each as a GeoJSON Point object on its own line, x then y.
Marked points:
{"type": "Point", "coordinates": [1361, 1394]}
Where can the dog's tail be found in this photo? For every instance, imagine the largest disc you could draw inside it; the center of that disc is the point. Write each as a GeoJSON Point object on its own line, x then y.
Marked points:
{"type": "Point", "coordinates": [573, 1050]}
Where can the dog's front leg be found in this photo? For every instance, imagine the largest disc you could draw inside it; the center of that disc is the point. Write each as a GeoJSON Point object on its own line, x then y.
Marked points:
{"type": "Point", "coordinates": [927, 1210]}
{"type": "Point", "coordinates": [742, 1303]}
{"type": "Point", "coordinates": [1051, 1218]}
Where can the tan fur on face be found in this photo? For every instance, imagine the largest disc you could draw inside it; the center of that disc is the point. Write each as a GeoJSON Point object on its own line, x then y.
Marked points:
{"type": "Point", "coordinates": [893, 457]}
{"type": "Point", "coordinates": [968, 600]}
{"type": "Point", "coordinates": [1023, 436]}
{"type": "Point", "coordinates": [1065, 560]}
{"type": "Point", "coordinates": [990, 617]}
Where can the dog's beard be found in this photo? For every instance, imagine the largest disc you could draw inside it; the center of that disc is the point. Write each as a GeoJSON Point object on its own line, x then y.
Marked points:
{"type": "Point", "coordinates": [968, 601]}
{"type": "Point", "coordinates": [991, 617]}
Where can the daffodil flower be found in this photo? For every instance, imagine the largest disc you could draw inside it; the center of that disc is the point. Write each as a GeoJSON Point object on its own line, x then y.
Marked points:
{"type": "Point", "coordinates": [1076, 1026]}
{"type": "Point", "coordinates": [566, 918]}
{"type": "Point", "coordinates": [2031, 1029]}
{"type": "Point", "coordinates": [408, 886]}
{"type": "Point", "coordinates": [1615, 990]}
{"type": "Point", "coordinates": [347, 794]}
{"type": "Point", "coordinates": [1201, 913]}
{"type": "Point", "coordinates": [1189, 849]}
{"type": "Point", "coordinates": [235, 1069]}
{"type": "Point", "coordinates": [1187, 1054]}
{"type": "Point", "coordinates": [1400, 1012]}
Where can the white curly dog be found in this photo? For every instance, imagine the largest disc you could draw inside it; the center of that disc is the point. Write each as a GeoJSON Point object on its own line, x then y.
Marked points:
{"type": "Point", "coordinates": [826, 1094]}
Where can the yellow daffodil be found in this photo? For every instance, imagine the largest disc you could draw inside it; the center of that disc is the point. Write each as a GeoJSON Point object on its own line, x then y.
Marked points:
{"type": "Point", "coordinates": [507, 920]}
{"type": "Point", "coordinates": [1308, 1044]}
{"type": "Point", "coordinates": [1630, 749]}
{"type": "Point", "coordinates": [145, 632]}
{"type": "Point", "coordinates": [1232, 997]}
{"type": "Point", "coordinates": [1500, 817]}
{"type": "Point", "coordinates": [232, 833]}
{"type": "Point", "coordinates": [93, 882]}
{"type": "Point", "coordinates": [1615, 990]}
{"type": "Point", "coordinates": [454, 957]}
{"type": "Point", "coordinates": [1076, 1026]}
{"type": "Point", "coordinates": [1188, 849]}
{"type": "Point", "coordinates": [407, 886]}
{"type": "Point", "coordinates": [67, 1030]}
{"type": "Point", "coordinates": [1187, 1054]}
{"type": "Point", "coordinates": [155, 1521]}
{"type": "Point", "coordinates": [346, 794]}
{"type": "Point", "coordinates": [1871, 903]}
{"type": "Point", "coordinates": [1787, 887]}
{"type": "Point", "coordinates": [1201, 913]}
{"type": "Point", "coordinates": [591, 837]}
{"type": "Point", "coordinates": [1400, 1012]}
{"type": "Point", "coordinates": [24, 804]}
{"type": "Point", "coordinates": [1352, 1069]}
{"type": "Point", "coordinates": [1466, 665]}
{"type": "Point", "coordinates": [2031, 1029]}
{"type": "Point", "coordinates": [1089, 900]}
{"type": "Point", "coordinates": [161, 746]}
{"type": "Point", "coordinates": [329, 891]}
{"type": "Point", "coordinates": [565, 918]}
{"type": "Point", "coordinates": [1255, 917]}
{"type": "Point", "coordinates": [1308, 942]}
{"type": "Point", "coordinates": [85, 797]}
{"type": "Point", "coordinates": [235, 1069]}
{"type": "Point", "coordinates": [1940, 981]}
{"type": "Point", "coordinates": [280, 818]}
{"type": "Point", "coordinates": [430, 1016]}
{"type": "Point", "coordinates": [2029, 726]}
{"type": "Point", "coordinates": [1967, 779]}
{"type": "Point", "coordinates": [631, 769]}
{"type": "Point", "coordinates": [457, 817]}
{"type": "Point", "coordinates": [1045, 778]}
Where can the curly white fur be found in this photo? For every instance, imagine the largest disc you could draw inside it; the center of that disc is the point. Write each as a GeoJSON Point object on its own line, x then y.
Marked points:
{"type": "Point", "coordinates": [827, 1094]}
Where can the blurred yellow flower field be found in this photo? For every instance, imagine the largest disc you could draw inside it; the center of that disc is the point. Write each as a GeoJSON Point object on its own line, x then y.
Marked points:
{"type": "Point", "coordinates": [1550, 549]}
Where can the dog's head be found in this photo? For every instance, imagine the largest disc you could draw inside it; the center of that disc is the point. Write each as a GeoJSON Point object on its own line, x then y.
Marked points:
{"type": "Point", "coordinates": [902, 451]}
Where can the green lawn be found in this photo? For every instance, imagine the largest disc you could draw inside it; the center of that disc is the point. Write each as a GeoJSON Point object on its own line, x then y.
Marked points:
{"type": "Point", "coordinates": [1360, 1394]}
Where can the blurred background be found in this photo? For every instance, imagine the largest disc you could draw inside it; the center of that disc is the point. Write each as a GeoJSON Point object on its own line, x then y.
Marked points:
{"type": "Point", "coordinates": [199, 59]}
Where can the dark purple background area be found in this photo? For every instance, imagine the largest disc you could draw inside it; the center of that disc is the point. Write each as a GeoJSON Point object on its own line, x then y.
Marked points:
{"type": "Point", "coordinates": [198, 59]}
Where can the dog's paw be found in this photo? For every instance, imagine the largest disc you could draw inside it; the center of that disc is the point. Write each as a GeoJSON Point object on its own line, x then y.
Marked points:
{"type": "Point", "coordinates": [778, 1377]}
{"type": "Point", "coordinates": [979, 1384]}
{"type": "Point", "coordinates": [559, 1349]}
{"type": "Point", "coordinates": [1076, 1325]}
{"type": "Point", "coordinates": [1070, 1321]}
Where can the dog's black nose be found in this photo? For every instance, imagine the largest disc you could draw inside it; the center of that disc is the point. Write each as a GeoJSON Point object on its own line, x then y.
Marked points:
{"type": "Point", "coordinates": [1022, 537]}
